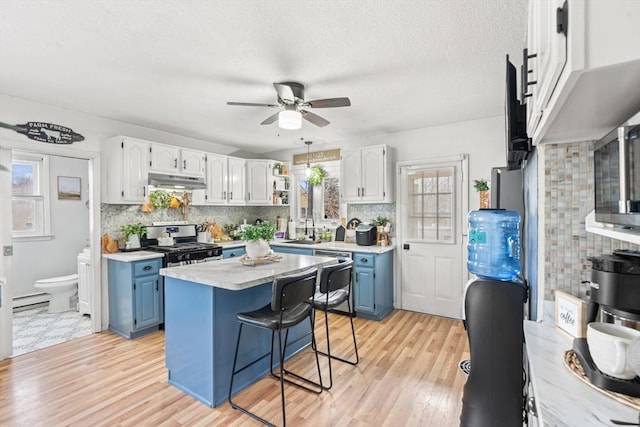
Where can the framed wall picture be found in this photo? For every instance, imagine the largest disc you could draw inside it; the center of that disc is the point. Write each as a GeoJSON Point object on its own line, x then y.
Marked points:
{"type": "Point", "coordinates": [571, 314]}
{"type": "Point", "coordinates": [69, 188]}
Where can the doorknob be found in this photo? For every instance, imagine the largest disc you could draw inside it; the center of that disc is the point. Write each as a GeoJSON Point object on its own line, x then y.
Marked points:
{"type": "Point", "coordinates": [405, 246]}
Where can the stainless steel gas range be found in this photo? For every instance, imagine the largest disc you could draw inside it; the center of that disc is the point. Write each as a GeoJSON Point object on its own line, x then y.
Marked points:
{"type": "Point", "coordinates": [185, 248]}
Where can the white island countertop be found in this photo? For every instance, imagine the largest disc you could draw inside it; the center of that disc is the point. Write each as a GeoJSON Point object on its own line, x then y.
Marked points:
{"type": "Point", "coordinates": [561, 398]}
{"type": "Point", "coordinates": [231, 274]}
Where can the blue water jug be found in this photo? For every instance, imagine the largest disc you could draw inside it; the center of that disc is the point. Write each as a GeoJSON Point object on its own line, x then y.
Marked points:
{"type": "Point", "coordinates": [494, 244]}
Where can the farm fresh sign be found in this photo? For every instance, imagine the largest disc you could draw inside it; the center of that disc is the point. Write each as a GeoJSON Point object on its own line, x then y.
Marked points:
{"type": "Point", "coordinates": [46, 132]}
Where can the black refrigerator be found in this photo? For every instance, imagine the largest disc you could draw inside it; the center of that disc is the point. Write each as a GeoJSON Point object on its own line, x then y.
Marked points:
{"type": "Point", "coordinates": [494, 313]}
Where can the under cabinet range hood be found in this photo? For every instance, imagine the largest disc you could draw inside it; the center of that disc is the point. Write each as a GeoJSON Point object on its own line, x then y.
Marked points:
{"type": "Point", "coordinates": [176, 182]}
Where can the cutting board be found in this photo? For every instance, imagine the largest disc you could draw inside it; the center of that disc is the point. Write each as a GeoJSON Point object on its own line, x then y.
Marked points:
{"type": "Point", "coordinates": [339, 234]}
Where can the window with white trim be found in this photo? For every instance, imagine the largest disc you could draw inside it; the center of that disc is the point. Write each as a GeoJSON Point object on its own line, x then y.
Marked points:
{"type": "Point", "coordinates": [324, 204]}
{"type": "Point", "coordinates": [30, 196]}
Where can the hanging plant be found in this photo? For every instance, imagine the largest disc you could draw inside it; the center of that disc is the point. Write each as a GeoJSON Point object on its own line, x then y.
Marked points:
{"type": "Point", "coordinates": [317, 175]}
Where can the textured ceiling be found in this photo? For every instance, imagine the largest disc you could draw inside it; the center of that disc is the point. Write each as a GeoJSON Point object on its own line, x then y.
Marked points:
{"type": "Point", "coordinates": [173, 65]}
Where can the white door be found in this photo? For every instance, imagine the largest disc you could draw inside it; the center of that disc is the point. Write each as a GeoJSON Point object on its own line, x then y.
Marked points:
{"type": "Point", "coordinates": [351, 175]}
{"type": "Point", "coordinates": [192, 162]}
{"type": "Point", "coordinates": [135, 170]}
{"type": "Point", "coordinates": [372, 174]}
{"type": "Point", "coordinates": [259, 182]}
{"type": "Point", "coordinates": [432, 206]}
{"type": "Point", "coordinates": [6, 296]}
{"type": "Point", "coordinates": [164, 158]}
{"type": "Point", "coordinates": [235, 195]}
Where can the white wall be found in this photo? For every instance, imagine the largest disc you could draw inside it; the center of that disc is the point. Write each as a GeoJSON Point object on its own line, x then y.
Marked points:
{"type": "Point", "coordinates": [483, 140]}
{"type": "Point", "coordinates": [94, 128]}
{"type": "Point", "coordinates": [33, 260]}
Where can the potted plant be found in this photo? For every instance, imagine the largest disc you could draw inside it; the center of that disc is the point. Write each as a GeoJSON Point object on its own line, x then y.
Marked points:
{"type": "Point", "coordinates": [257, 238]}
{"type": "Point", "coordinates": [133, 233]}
{"type": "Point", "coordinates": [380, 222]}
{"type": "Point", "coordinates": [482, 187]}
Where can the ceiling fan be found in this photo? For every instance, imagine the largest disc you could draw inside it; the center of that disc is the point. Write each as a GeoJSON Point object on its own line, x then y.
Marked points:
{"type": "Point", "coordinates": [293, 106]}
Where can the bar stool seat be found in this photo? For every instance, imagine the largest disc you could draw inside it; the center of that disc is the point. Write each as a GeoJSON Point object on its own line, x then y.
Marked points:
{"type": "Point", "coordinates": [334, 288]}
{"type": "Point", "coordinates": [291, 304]}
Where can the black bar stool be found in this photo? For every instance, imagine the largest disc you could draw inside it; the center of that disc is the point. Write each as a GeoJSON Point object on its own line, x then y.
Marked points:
{"type": "Point", "coordinates": [291, 303]}
{"type": "Point", "coordinates": [335, 288]}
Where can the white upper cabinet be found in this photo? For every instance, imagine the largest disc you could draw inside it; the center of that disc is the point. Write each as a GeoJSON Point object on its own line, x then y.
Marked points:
{"type": "Point", "coordinates": [125, 170]}
{"type": "Point", "coordinates": [175, 160]}
{"type": "Point", "coordinates": [366, 175]}
{"type": "Point", "coordinates": [192, 162]}
{"type": "Point", "coordinates": [259, 182]}
{"type": "Point", "coordinates": [237, 177]}
{"type": "Point", "coordinates": [225, 180]}
{"type": "Point", "coordinates": [587, 74]}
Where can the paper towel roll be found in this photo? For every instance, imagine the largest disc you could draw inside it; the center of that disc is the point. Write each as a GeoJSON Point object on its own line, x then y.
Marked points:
{"type": "Point", "coordinates": [292, 229]}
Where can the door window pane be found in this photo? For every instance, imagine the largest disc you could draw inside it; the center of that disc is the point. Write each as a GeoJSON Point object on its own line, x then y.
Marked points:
{"type": "Point", "coordinates": [431, 207]}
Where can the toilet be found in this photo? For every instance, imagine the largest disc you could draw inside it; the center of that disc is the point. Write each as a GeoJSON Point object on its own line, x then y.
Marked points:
{"type": "Point", "coordinates": [63, 291]}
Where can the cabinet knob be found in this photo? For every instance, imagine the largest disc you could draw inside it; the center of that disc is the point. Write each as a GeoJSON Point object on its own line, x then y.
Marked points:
{"type": "Point", "coordinates": [175, 163]}
{"type": "Point", "coordinates": [147, 267]}
{"type": "Point", "coordinates": [364, 260]}
{"type": "Point", "coordinates": [232, 254]}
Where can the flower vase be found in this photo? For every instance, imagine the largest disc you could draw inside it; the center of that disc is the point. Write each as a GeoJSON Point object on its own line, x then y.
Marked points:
{"type": "Point", "coordinates": [484, 199]}
{"type": "Point", "coordinates": [257, 248]}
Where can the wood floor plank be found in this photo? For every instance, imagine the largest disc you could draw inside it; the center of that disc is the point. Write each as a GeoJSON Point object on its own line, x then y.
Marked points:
{"type": "Point", "coordinates": [408, 375]}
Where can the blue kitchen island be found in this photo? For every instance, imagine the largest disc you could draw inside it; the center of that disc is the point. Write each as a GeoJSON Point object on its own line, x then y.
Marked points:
{"type": "Point", "coordinates": [201, 304]}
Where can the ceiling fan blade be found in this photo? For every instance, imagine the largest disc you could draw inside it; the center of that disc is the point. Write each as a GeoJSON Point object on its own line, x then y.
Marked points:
{"type": "Point", "coordinates": [329, 103]}
{"type": "Point", "coordinates": [285, 93]}
{"type": "Point", "coordinates": [252, 104]}
{"type": "Point", "coordinates": [270, 119]}
{"type": "Point", "coordinates": [314, 118]}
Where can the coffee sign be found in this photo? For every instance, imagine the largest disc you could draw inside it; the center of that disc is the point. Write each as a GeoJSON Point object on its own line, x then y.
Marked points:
{"type": "Point", "coordinates": [46, 132]}
{"type": "Point", "coordinates": [570, 314]}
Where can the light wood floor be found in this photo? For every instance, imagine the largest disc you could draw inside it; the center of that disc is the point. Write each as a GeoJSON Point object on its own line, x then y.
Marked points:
{"type": "Point", "coordinates": [407, 376]}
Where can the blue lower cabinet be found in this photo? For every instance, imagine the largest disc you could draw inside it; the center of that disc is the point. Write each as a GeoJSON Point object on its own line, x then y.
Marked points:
{"type": "Point", "coordinates": [233, 253]}
{"type": "Point", "coordinates": [291, 250]}
{"type": "Point", "coordinates": [135, 297]}
{"type": "Point", "coordinates": [373, 284]}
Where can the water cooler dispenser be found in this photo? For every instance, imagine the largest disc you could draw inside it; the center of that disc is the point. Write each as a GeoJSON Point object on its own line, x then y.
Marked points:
{"type": "Point", "coordinates": [494, 312]}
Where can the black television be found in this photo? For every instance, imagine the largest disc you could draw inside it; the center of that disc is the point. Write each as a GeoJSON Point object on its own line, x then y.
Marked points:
{"type": "Point", "coordinates": [517, 141]}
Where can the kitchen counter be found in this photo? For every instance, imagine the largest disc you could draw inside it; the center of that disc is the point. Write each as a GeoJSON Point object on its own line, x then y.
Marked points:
{"type": "Point", "coordinates": [335, 246]}
{"type": "Point", "coordinates": [231, 274]}
{"type": "Point", "coordinates": [561, 398]}
{"type": "Point", "coordinates": [133, 256]}
{"type": "Point", "coordinates": [202, 302]}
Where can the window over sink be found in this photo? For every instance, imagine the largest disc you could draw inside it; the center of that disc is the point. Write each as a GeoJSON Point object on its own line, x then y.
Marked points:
{"type": "Point", "coordinates": [320, 202]}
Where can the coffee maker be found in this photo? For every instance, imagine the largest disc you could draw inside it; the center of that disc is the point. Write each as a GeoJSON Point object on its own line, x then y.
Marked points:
{"type": "Point", "coordinates": [615, 294]}
{"type": "Point", "coordinates": [615, 288]}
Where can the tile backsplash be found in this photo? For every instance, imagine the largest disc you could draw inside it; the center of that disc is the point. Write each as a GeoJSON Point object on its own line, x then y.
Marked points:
{"type": "Point", "coordinates": [113, 217]}
{"type": "Point", "coordinates": [568, 198]}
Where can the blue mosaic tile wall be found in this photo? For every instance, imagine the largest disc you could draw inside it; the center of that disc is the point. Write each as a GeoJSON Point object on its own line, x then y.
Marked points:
{"type": "Point", "coordinates": [568, 198]}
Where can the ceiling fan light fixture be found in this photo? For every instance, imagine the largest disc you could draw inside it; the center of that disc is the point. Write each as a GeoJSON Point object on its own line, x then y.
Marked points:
{"type": "Point", "coordinates": [289, 119]}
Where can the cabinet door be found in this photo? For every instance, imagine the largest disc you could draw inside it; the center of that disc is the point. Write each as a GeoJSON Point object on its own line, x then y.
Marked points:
{"type": "Point", "coordinates": [135, 170]}
{"type": "Point", "coordinates": [364, 290]}
{"type": "Point", "coordinates": [550, 48]}
{"type": "Point", "coordinates": [147, 292]}
{"type": "Point", "coordinates": [259, 182]}
{"type": "Point", "coordinates": [351, 175]}
{"type": "Point", "coordinates": [84, 285]}
{"type": "Point", "coordinates": [192, 163]}
{"type": "Point", "coordinates": [236, 176]}
{"type": "Point", "coordinates": [373, 171]}
{"type": "Point", "coordinates": [216, 192]}
{"type": "Point", "coordinates": [164, 158]}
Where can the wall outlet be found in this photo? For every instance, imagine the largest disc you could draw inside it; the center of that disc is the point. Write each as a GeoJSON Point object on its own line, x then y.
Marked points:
{"type": "Point", "coordinates": [7, 250]}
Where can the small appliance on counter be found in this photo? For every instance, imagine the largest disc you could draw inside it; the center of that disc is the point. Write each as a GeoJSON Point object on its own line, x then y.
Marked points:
{"type": "Point", "coordinates": [366, 234]}
{"type": "Point", "coordinates": [615, 295]}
